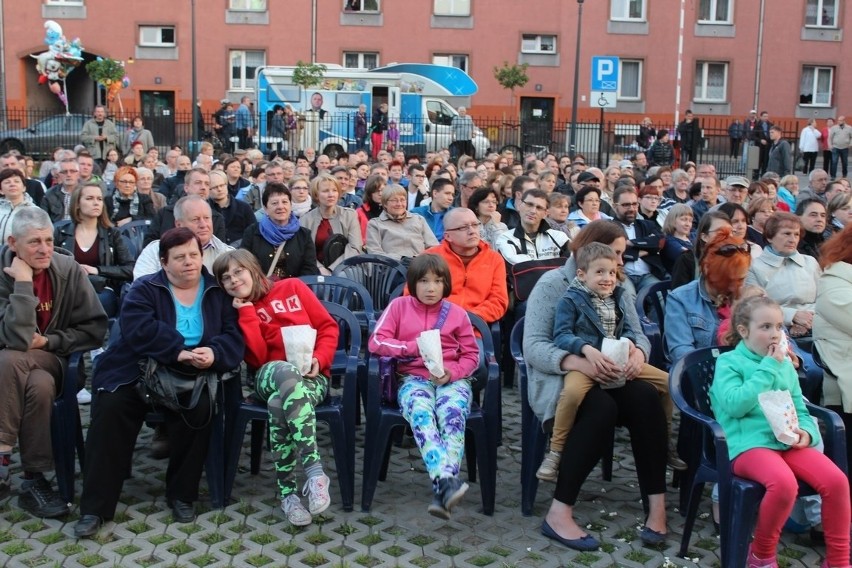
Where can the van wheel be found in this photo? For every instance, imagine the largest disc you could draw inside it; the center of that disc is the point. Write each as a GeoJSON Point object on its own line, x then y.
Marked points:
{"type": "Point", "coordinates": [333, 150]}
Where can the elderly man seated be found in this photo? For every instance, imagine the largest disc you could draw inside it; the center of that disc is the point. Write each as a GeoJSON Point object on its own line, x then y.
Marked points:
{"type": "Point", "coordinates": [48, 310]}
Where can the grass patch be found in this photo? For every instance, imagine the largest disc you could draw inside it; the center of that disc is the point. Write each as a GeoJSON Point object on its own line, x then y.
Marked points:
{"type": "Point", "coordinates": [709, 544]}
{"type": "Point", "coordinates": [6, 536]}
{"type": "Point", "coordinates": [370, 539]}
{"type": "Point", "coordinates": [220, 518]}
{"type": "Point", "coordinates": [180, 548]}
{"type": "Point", "coordinates": [450, 550]}
{"type": "Point", "coordinates": [16, 548]}
{"type": "Point", "coordinates": [421, 540]}
{"type": "Point", "coordinates": [17, 516]}
{"type": "Point", "coordinates": [424, 561]}
{"type": "Point", "coordinates": [345, 529]}
{"type": "Point", "coordinates": [395, 551]}
{"type": "Point", "coordinates": [126, 549]}
{"type": "Point", "coordinates": [500, 550]}
{"type": "Point", "coordinates": [191, 528]}
{"type": "Point", "coordinates": [370, 521]}
{"type": "Point", "coordinates": [269, 520]}
{"type": "Point", "coordinates": [586, 558]}
{"type": "Point", "coordinates": [247, 509]}
{"type": "Point", "coordinates": [121, 517]}
{"type": "Point", "coordinates": [263, 539]}
{"type": "Point", "coordinates": [341, 550]}
{"type": "Point", "coordinates": [234, 548]}
{"type": "Point", "coordinates": [258, 560]}
{"type": "Point", "coordinates": [595, 526]}
{"type": "Point", "coordinates": [482, 560]}
{"type": "Point", "coordinates": [150, 509]}
{"type": "Point", "coordinates": [395, 530]}
{"type": "Point", "coordinates": [288, 549]}
{"type": "Point", "coordinates": [51, 538]}
{"type": "Point", "coordinates": [71, 549]}
{"type": "Point", "coordinates": [608, 547]}
{"type": "Point", "coordinates": [293, 530]}
{"type": "Point", "coordinates": [317, 539]}
{"type": "Point", "coordinates": [627, 535]}
{"type": "Point", "coordinates": [791, 553]}
{"type": "Point", "coordinates": [148, 561]}
{"type": "Point", "coordinates": [367, 560]}
{"type": "Point", "coordinates": [34, 526]}
{"type": "Point", "coordinates": [204, 560]}
{"type": "Point", "coordinates": [314, 559]}
{"type": "Point", "coordinates": [241, 528]}
{"type": "Point", "coordinates": [91, 559]}
{"type": "Point", "coordinates": [159, 539]}
{"type": "Point", "coordinates": [138, 527]}
{"type": "Point", "coordinates": [638, 556]}
{"type": "Point", "coordinates": [211, 538]}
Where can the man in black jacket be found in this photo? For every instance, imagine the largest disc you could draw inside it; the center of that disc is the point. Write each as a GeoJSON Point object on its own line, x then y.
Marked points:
{"type": "Point", "coordinates": [689, 133]}
{"type": "Point", "coordinates": [642, 262]}
{"type": "Point", "coordinates": [197, 182]}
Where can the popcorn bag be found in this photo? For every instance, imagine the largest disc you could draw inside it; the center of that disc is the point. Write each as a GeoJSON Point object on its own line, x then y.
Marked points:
{"type": "Point", "coordinates": [429, 344]}
{"type": "Point", "coordinates": [777, 406]}
{"type": "Point", "coordinates": [619, 351]}
{"type": "Point", "coordinates": [299, 342]}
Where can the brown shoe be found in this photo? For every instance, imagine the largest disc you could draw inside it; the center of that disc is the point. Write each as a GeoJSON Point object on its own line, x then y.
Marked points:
{"type": "Point", "coordinates": [673, 460]}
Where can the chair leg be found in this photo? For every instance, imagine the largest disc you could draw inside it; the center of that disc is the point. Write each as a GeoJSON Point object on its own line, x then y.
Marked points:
{"type": "Point", "coordinates": [606, 460]}
{"type": "Point", "coordinates": [235, 448]}
{"type": "Point", "coordinates": [532, 452]}
{"type": "Point", "coordinates": [215, 466]}
{"type": "Point", "coordinates": [379, 440]}
{"type": "Point", "coordinates": [81, 442]}
{"type": "Point", "coordinates": [470, 453]}
{"type": "Point", "coordinates": [691, 512]}
{"type": "Point", "coordinates": [258, 429]}
{"type": "Point", "coordinates": [345, 466]}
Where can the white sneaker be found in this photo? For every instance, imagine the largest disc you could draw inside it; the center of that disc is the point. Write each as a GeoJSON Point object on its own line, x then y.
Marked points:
{"type": "Point", "coordinates": [316, 489]}
{"type": "Point", "coordinates": [84, 397]}
{"type": "Point", "coordinates": [295, 511]}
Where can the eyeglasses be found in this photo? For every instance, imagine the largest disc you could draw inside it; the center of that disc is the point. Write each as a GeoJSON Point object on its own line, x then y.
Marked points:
{"type": "Point", "coordinates": [236, 273]}
{"type": "Point", "coordinates": [66, 172]}
{"type": "Point", "coordinates": [540, 208]}
{"type": "Point", "coordinates": [296, 187]}
{"type": "Point", "coordinates": [630, 205]}
{"type": "Point", "coordinates": [127, 181]}
{"type": "Point", "coordinates": [731, 250]}
{"type": "Point", "coordinates": [466, 228]}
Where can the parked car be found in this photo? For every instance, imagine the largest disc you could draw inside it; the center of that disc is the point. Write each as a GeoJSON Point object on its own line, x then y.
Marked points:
{"type": "Point", "coordinates": [40, 138]}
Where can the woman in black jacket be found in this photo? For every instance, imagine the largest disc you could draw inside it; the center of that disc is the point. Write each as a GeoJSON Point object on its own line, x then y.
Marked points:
{"type": "Point", "coordinates": [96, 245]}
{"type": "Point", "coordinates": [126, 203]}
{"type": "Point", "coordinates": [283, 247]}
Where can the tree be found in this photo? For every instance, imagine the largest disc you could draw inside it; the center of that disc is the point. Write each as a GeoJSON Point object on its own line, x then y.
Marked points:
{"type": "Point", "coordinates": [307, 75]}
{"type": "Point", "coordinates": [512, 76]}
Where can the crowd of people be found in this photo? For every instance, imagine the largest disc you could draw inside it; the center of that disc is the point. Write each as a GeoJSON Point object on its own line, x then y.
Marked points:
{"type": "Point", "coordinates": [227, 236]}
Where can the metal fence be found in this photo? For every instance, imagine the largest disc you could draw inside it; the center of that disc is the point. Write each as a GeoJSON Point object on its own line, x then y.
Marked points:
{"type": "Point", "coordinates": [38, 132]}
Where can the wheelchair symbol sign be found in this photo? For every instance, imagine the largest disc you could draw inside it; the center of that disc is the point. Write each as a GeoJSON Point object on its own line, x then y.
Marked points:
{"type": "Point", "coordinates": [602, 99]}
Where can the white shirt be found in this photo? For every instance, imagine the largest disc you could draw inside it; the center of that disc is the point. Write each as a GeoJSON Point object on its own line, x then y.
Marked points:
{"type": "Point", "coordinates": [149, 259]}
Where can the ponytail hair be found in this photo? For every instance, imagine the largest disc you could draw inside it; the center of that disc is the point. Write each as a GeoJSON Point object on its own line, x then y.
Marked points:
{"type": "Point", "coordinates": [741, 315]}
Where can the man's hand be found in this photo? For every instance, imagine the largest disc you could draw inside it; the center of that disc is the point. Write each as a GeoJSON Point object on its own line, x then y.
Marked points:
{"type": "Point", "coordinates": [19, 270]}
{"type": "Point", "coordinates": [39, 341]}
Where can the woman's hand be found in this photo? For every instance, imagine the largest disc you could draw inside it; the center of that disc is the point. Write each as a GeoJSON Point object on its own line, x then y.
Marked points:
{"type": "Point", "coordinates": [202, 357]}
{"type": "Point", "coordinates": [804, 439]}
{"type": "Point", "coordinates": [635, 362]}
{"type": "Point", "coordinates": [89, 269]}
{"type": "Point", "coordinates": [239, 303]}
{"type": "Point", "coordinates": [124, 221]}
{"type": "Point", "coordinates": [495, 216]}
{"type": "Point", "coordinates": [185, 357]}
{"type": "Point", "coordinates": [314, 369]}
{"type": "Point", "coordinates": [803, 319]}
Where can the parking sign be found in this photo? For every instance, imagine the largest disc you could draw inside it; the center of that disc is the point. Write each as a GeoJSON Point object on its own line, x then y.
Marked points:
{"type": "Point", "coordinates": [605, 73]}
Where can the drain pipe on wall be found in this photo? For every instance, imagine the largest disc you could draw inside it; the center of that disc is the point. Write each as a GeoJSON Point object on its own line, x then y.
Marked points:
{"type": "Point", "coordinates": [2, 66]}
{"type": "Point", "coordinates": [759, 56]}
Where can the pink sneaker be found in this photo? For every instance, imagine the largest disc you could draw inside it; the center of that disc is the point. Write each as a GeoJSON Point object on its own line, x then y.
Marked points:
{"type": "Point", "coordinates": [755, 562]}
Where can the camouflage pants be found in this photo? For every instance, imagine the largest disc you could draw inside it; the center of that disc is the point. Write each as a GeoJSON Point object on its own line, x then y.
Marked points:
{"type": "Point", "coordinates": [291, 399]}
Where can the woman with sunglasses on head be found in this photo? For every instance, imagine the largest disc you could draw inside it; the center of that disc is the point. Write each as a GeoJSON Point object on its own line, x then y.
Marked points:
{"type": "Point", "coordinates": [790, 278]}
{"type": "Point", "coordinates": [127, 203]}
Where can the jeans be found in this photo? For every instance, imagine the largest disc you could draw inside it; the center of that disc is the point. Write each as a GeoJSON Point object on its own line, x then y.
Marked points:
{"type": "Point", "coordinates": [841, 155]}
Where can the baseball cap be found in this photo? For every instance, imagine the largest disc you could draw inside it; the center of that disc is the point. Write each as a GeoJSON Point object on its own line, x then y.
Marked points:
{"type": "Point", "coordinates": [736, 180]}
{"type": "Point", "coordinates": [586, 176]}
{"type": "Point", "coordinates": [625, 164]}
{"type": "Point", "coordinates": [224, 101]}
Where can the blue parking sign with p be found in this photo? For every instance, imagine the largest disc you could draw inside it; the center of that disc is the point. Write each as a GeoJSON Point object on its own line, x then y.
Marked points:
{"type": "Point", "coordinates": [605, 73]}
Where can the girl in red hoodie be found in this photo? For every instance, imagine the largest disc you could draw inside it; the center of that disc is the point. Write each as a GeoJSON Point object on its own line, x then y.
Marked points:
{"type": "Point", "coordinates": [264, 308]}
{"type": "Point", "coordinates": [435, 407]}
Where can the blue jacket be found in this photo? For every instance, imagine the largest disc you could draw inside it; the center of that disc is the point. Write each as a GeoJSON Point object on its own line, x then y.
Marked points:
{"type": "Point", "coordinates": [148, 329]}
{"type": "Point", "coordinates": [434, 220]}
{"type": "Point", "coordinates": [691, 320]}
{"type": "Point", "coordinates": [577, 323]}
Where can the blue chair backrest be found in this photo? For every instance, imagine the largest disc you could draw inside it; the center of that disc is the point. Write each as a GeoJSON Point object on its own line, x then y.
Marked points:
{"type": "Point", "coordinates": [380, 275]}
{"type": "Point", "coordinates": [344, 292]}
{"type": "Point", "coordinates": [349, 341]}
{"type": "Point", "coordinates": [134, 232]}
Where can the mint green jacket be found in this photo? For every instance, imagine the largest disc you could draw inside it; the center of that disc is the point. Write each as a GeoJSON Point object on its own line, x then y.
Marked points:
{"type": "Point", "coordinates": [740, 376]}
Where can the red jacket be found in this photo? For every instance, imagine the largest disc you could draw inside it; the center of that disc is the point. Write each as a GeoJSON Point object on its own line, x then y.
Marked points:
{"type": "Point", "coordinates": [290, 302]}
{"type": "Point", "coordinates": [479, 287]}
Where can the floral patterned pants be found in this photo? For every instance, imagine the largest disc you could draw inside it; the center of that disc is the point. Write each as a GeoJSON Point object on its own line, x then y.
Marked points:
{"type": "Point", "coordinates": [437, 415]}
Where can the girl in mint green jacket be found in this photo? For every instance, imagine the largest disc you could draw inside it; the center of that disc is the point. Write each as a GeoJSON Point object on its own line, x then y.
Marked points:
{"type": "Point", "coordinates": [760, 362]}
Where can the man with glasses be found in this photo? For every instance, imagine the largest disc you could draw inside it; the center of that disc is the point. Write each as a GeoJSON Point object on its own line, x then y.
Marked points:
{"type": "Point", "coordinates": [478, 272]}
{"type": "Point", "coordinates": [533, 239]}
{"type": "Point", "coordinates": [817, 182]}
{"type": "Point", "coordinates": [58, 198]}
{"type": "Point", "coordinates": [443, 194]}
{"type": "Point", "coordinates": [237, 214]}
{"type": "Point", "coordinates": [510, 209]}
{"type": "Point", "coordinates": [642, 262]}
{"type": "Point", "coordinates": [469, 182]}
{"type": "Point", "coordinates": [197, 182]}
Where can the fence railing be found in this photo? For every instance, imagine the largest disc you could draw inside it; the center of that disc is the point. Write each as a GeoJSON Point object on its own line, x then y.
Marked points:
{"type": "Point", "coordinates": [39, 132]}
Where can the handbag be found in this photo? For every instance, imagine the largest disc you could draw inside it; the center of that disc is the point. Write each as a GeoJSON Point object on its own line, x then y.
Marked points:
{"type": "Point", "coordinates": [161, 385]}
{"type": "Point", "coordinates": [333, 249]}
{"type": "Point", "coordinates": [388, 375]}
{"type": "Point", "coordinates": [524, 275]}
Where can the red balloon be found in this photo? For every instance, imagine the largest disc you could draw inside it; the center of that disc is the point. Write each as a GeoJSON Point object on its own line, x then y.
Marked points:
{"type": "Point", "coordinates": [55, 88]}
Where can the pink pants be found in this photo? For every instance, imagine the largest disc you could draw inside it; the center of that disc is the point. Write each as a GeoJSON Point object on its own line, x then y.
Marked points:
{"type": "Point", "coordinates": [779, 471]}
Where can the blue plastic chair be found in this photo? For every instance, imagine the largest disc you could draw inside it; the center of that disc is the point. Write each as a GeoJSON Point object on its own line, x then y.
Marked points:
{"type": "Point", "coordinates": [483, 422]}
{"type": "Point", "coordinates": [380, 275]}
{"type": "Point", "coordinates": [134, 233]}
{"type": "Point", "coordinates": [66, 429]}
{"type": "Point", "coordinates": [651, 307]}
{"type": "Point", "coordinates": [739, 499]}
{"type": "Point", "coordinates": [337, 411]}
{"type": "Point", "coordinates": [533, 438]}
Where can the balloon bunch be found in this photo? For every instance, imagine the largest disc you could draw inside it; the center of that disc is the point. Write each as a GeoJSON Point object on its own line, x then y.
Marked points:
{"type": "Point", "coordinates": [58, 61]}
{"type": "Point", "coordinates": [109, 74]}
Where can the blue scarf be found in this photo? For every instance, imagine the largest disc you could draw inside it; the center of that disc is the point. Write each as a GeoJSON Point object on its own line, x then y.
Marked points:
{"type": "Point", "coordinates": [277, 234]}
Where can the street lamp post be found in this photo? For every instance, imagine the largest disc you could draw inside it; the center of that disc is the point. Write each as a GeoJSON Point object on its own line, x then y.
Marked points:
{"type": "Point", "coordinates": [572, 148]}
{"type": "Point", "coordinates": [195, 110]}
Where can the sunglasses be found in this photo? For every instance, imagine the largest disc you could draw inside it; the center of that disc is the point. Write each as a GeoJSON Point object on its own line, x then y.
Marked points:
{"type": "Point", "coordinates": [731, 250]}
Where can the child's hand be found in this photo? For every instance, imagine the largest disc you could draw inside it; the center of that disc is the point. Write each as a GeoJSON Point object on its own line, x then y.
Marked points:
{"type": "Point", "coordinates": [777, 353]}
{"type": "Point", "coordinates": [603, 365]}
{"type": "Point", "coordinates": [438, 381]}
{"type": "Point", "coordinates": [804, 439]}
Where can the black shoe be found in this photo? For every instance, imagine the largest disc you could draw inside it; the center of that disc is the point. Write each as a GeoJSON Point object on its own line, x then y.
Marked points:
{"type": "Point", "coordinates": [160, 443]}
{"type": "Point", "coordinates": [183, 512]}
{"type": "Point", "coordinates": [38, 498]}
{"type": "Point", "coordinates": [453, 489]}
{"type": "Point", "coordinates": [87, 526]}
{"type": "Point", "coordinates": [436, 508]}
{"type": "Point", "coordinates": [5, 486]}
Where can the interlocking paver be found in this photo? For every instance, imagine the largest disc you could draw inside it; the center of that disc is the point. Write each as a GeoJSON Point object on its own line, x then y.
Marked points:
{"type": "Point", "coordinates": [397, 531]}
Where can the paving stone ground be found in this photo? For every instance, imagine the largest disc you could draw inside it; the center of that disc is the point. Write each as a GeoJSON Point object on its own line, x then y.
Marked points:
{"type": "Point", "coordinates": [252, 531]}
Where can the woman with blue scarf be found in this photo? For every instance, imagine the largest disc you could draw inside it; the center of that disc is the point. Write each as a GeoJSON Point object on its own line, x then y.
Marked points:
{"type": "Point", "coordinates": [283, 248]}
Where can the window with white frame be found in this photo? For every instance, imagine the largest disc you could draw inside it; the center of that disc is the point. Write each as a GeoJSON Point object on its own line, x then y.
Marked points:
{"type": "Point", "coordinates": [157, 36]}
{"type": "Point", "coordinates": [821, 13]}
{"type": "Point", "coordinates": [244, 64]}
{"type": "Point", "coordinates": [65, 2]}
{"type": "Point", "coordinates": [360, 60]}
{"type": "Point", "coordinates": [452, 7]}
{"type": "Point", "coordinates": [715, 11]}
{"type": "Point", "coordinates": [531, 43]}
{"type": "Point", "coordinates": [630, 80]}
{"type": "Point", "coordinates": [451, 60]}
{"type": "Point", "coordinates": [362, 5]}
{"type": "Point", "coordinates": [627, 10]}
{"type": "Point", "coordinates": [247, 5]}
{"type": "Point", "coordinates": [711, 82]}
{"type": "Point", "coordinates": [816, 86]}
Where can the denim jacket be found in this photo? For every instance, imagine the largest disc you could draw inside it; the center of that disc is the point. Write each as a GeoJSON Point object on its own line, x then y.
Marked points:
{"type": "Point", "coordinates": [691, 319]}
{"type": "Point", "coordinates": [577, 323]}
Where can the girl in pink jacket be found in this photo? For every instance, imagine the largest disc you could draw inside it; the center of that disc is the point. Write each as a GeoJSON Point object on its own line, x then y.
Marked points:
{"type": "Point", "coordinates": [435, 407]}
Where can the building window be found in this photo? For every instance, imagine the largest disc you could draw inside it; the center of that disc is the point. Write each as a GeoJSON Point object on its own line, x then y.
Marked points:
{"type": "Point", "coordinates": [627, 10]}
{"type": "Point", "coordinates": [531, 43]}
{"type": "Point", "coordinates": [714, 11]}
{"type": "Point", "coordinates": [821, 13]}
{"type": "Point", "coordinates": [630, 80]}
{"type": "Point", "coordinates": [452, 8]}
{"type": "Point", "coordinates": [460, 61]}
{"type": "Point", "coordinates": [157, 36]}
{"type": "Point", "coordinates": [65, 2]}
{"type": "Point", "coordinates": [362, 5]}
{"type": "Point", "coordinates": [248, 5]}
{"type": "Point", "coordinates": [711, 82]}
{"type": "Point", "coordinates": [244, 66]}
{"type": "Point", "coordinates": [817, 83]}
{"type": "Point", "coordinates": [360, 60]}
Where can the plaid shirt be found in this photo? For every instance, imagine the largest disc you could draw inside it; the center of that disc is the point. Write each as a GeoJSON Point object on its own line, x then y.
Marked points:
{"type": "Point", "coordinates": [605, 307]}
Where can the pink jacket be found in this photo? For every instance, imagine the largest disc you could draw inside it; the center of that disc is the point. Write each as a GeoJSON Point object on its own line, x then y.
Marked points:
{"type": "Point", "coordinates": [402, 322]}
